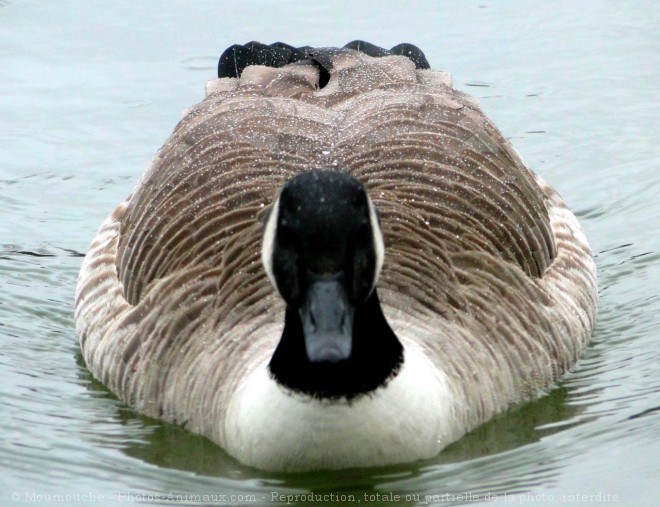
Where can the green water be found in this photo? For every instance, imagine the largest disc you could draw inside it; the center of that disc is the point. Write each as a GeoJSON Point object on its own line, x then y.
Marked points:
{"type": "Point", "coordinates": [90, 90]}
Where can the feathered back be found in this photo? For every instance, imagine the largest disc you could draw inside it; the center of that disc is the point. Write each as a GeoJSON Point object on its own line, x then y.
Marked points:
{"type": "Point", "coordinates": [429, 157]}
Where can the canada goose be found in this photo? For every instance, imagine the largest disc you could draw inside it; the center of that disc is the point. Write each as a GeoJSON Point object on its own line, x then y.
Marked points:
{"type": "Point", "coordinates": [314, 169]}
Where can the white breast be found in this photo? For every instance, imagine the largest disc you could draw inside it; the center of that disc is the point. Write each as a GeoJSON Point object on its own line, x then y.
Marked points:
{"type": "Point", "coordinates": [413, 417]}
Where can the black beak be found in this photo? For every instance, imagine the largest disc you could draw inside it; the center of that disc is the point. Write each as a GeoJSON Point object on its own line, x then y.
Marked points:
{"type": "Point", "coordinates": [327, 321]}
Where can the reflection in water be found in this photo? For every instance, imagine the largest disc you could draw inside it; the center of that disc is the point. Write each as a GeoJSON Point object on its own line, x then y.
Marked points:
{"type": "Point", "coordinates": [519, 426]}
{"type": "Point", "coordinates": [171, 447]}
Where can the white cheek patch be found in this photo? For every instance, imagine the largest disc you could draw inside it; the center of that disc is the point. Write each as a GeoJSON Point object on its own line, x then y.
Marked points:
{"type": "Point", "coordinates": [268, 243]}
{"type": "Point", "coordinates": [379, 244]}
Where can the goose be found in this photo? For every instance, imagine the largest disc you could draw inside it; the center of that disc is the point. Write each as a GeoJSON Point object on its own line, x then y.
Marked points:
{"type": "Point", "coordinates": [336, 260]}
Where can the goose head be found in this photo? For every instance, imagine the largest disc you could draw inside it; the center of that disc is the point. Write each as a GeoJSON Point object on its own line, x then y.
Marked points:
{"type": "Point", "coordinates": [323, 251]}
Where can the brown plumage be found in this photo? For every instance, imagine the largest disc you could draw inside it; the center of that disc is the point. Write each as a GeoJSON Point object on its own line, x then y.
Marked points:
{"type": "Point", "coordinates": [485, 267]}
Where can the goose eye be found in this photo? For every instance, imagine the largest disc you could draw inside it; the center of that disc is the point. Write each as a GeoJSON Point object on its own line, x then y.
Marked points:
{"type": "Point", "coordinates": [363, 274]}
{"type": "Point", "coordinates": [285, 265]}
{"type": "Point", "coordinates": [363, 263]}
{"type": "Point", "coordinates": [284, 236]}
{"type": "Point", "coordinates": [363, 231]}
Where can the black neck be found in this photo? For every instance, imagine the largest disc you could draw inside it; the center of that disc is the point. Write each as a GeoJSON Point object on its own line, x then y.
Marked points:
{"type": "Point", "coordinates": [376, 356]}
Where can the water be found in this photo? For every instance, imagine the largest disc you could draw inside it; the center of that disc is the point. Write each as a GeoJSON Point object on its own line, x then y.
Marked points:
{"type": "Point", "coordinates": [90, 90]}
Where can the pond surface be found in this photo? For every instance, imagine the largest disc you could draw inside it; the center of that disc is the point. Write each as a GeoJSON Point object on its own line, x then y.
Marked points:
{"type": "Point", "coordinates": [90, 90]}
